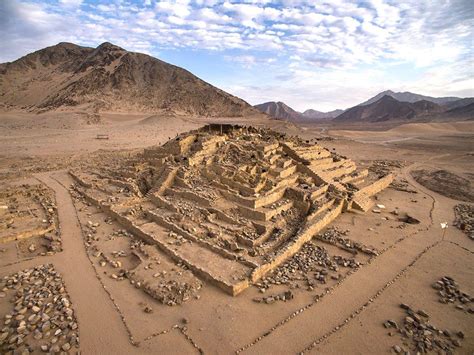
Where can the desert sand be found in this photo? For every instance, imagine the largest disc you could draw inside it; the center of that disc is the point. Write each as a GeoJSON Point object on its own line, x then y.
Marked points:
{"type": "Point", "coordinates": [340, 293]}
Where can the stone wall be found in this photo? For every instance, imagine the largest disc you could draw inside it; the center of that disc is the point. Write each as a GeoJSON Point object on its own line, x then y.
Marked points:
{"type": "Point", "coordinates": [36, 232]}
{"type": "Point", "coordinates": [361, 200]}
{"type": "Point", "coordinates": [263, 214]}
{"type": "Point", "coordinates": [377, 186]}
{"type": "Point", "coordinates": [305, 235]}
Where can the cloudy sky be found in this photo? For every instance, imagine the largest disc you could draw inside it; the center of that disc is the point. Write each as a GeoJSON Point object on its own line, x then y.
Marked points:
{"type": "Point", "coordinates": [308, 53]}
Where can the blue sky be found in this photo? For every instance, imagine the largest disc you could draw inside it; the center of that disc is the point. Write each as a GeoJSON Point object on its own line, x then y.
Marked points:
{"type": "Point", "coordinates": [310, 54]}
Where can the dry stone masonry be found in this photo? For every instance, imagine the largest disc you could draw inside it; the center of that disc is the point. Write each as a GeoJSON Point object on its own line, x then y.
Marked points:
{"type": "Point", "coordinates": [449, 292]}
{"type": "Point", "coordinates": [465, 219]}
{"type": "Point", "coordinates": [230, 203]}
{"type": "Point", "coordinates": [28, 215]}
{"type": "Point", "coordinates": [420, 336]}
{"type": "Point", "coordinates": [42, 318]}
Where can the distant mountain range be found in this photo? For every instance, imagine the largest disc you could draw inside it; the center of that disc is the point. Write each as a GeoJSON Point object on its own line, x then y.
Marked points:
{"type": "Point", "coordinates": [281, 111]}
{"type": "Point", "coordinates": [462, 111]}
{"type": "Point", "coordinates": [459, 103]}
{"type": "Point", "coordinates": [318, 115]}
{"type": "Point", "coordinates": [386, 106]}
{"type": "Point", "coordinates": [409, 97]}
{"type": "Point", "coordinates": [109, 78]}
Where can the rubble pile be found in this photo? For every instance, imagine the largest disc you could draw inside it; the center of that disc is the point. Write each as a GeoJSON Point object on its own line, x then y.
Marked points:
{"type": "Point", "coordinates": [169, 284]}
{"type": "Point", "coordinates": [53, 242]}
{"type": "Point", "coordinates": [284, 296]}
{"type": "Point", "coordinates": [172, 292]}
{"type": "Point", "coordinates": [27, 166]}
{"type": "Point", "coordinates": [464, 219]}
{"type": "Point", "coordinates": [449, 292]}
{"type": "Point", "coordinates": [384, 167]}
{"type": "Point", "coordinates": [446, 183]}
{"type": "Point", "coordinates": [402, 185]}
{"type": "Point", "coordinates": [335, 236]}
{"type": "Point", "coordinates": [312, 264]}
{"type": "Point", "coordinates": [29, 212]}
{"type": "Point", "coordinates": [420, 336]}
{"type": "Point", "coordinates": [90, 230]}
{"type": "Point", "coordinates": [42, 317]}
{"type": "Point", "coordinates": [311, 257]}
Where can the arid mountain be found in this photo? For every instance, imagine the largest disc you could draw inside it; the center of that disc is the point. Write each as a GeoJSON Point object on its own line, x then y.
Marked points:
{"type": "Point", "coordinates": [387, 108]}
{"type": "Point", "coordinates": [279, 111]}
{"type": "Point", "coordinates": [314, 114]}
{"type": "Point", "coordinates": [409, 97]}
{"type": "Point", "coordinates": [466, 112]}
{"type": "Point", "coordinates": [459, 103]}
{"type": "Point", "coordinates": [425, 107]}
{"type": "Point", "coordinates": [108, 78]}
{"type": "Point", "coordinates": [318, 115]}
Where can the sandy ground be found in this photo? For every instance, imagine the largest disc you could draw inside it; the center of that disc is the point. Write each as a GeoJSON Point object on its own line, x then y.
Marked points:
{"type": "Point", "coordinates": [347, 318]}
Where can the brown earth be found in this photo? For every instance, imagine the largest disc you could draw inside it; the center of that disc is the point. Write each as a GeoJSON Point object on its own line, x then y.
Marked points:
{"type": "Point", "coordinates": [446, 184]}
{"type": "Point", "coordinates": [344, 315]}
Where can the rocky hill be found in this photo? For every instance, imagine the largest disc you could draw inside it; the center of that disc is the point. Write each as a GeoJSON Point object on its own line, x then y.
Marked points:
{"type": "Point", "coordinates": [279, 110]}
{"type": "Point", "coordinates": [466, 112]}
{"type": "Point", "coordinates": [409, 97]}
{"type": "Point", "coordinates": [318, 115]}
{"type": "Point", "coordinates": [459, 103]}
{"type": "Point", "coordinates": [109, 78]}
{"type": "Point", "coordinates": [387, 108]}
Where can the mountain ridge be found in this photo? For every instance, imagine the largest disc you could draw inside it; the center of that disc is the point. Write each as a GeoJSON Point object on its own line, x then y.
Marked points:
{"type": "Point", "coordinates": [314, 114]}
{"type": "Point", "coordinates": [388, 108]}
{"type": "Point", "coordinates": [280, 110]}
{"type": "Point", "coordinates": [109, 78]}
{"type": "Point", "coordinates": [410, 97]}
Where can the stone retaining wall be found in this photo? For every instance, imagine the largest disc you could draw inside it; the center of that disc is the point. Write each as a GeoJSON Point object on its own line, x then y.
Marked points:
{"type": "Point", "coordinates": [36, 232]}
{"type": "Point", "coordinates": [232, 289]}
{"type": "Point", "coordinates": [376, 187]}
{"type": "Point", "coordinates": [304, 236]}
{"type": "Point", "coordinates": [263, 214]}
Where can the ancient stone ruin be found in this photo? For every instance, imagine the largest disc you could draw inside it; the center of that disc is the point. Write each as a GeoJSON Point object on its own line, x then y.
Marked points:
{"type": "Point", "coordinates": [236, 202]}
{"type": "Point", "coordinates": [28, 215]}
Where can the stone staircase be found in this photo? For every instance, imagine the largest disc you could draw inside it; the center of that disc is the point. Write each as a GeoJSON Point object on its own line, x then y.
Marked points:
{"type": "Point", "coordinates": [165, 180]}
{"type": "Point", "coordinates": [362, 202]}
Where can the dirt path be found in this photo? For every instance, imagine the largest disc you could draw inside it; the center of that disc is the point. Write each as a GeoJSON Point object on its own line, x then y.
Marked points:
{"type": "Point", "coordinates": [346, 301]}
{"type": "Point", "coordinates": [100, 326]}
{"type": "Point", "coordinates": [320, 320]}
{"type": "Point", "coordinates": [103, 331]}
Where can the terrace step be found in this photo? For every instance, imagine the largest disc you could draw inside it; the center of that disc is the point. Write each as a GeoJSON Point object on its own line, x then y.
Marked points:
{"type": "Point", "coordinates": [204, 263]}
{"type": "Point", "coordinates": [355, 177]}
{"type": "Point", "coordinates": [362, 202]}
{"type": "Point", "coordinates": [164, 181]}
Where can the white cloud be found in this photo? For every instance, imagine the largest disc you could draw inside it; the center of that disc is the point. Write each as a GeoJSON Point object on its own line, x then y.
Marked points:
{"type": "Point", "coordinates": [71, 3]}
{"type": "Point", "coordinates": [177, 8]}
{"type": "Point", "coordinates": [249, 61]}
{"type": "Point", "coordinates": [311, 43]}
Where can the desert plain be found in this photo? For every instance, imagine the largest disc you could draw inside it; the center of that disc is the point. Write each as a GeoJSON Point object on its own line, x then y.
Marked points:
{"type": "Point", "coordinates": [396, 276]}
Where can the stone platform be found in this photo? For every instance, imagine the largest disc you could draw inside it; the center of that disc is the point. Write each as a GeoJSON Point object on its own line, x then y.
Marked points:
{"type": "Point", "coordinates": [239, 200]}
